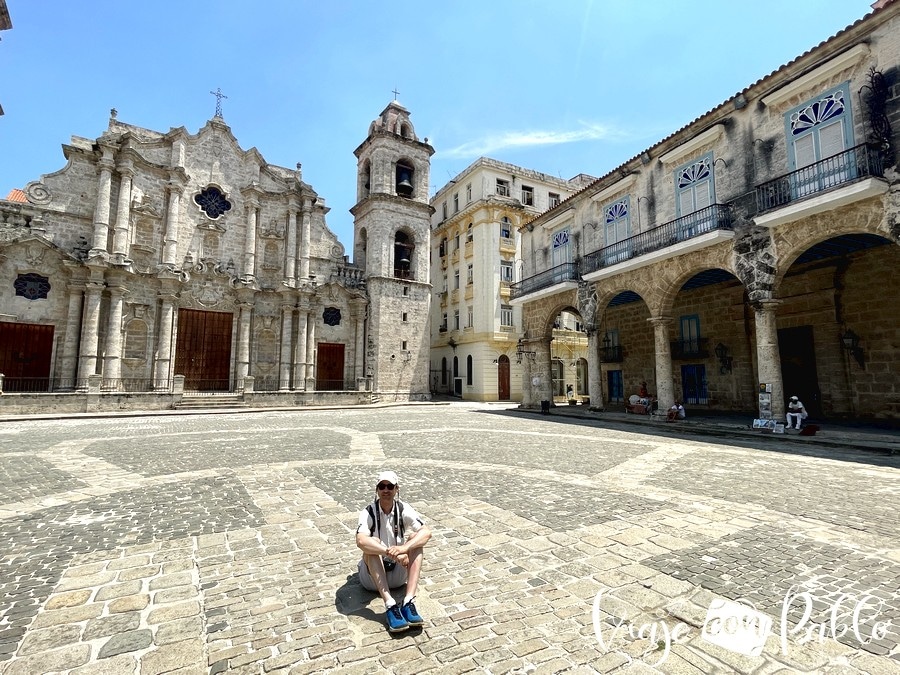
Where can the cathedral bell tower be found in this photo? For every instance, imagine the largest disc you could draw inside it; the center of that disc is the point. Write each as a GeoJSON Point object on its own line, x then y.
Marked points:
{"type": "Point", "coordinates": [391, 233]}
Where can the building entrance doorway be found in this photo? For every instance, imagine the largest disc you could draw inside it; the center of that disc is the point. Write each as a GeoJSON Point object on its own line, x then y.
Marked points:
{"type": "Point", "coordinates": [25, 350]}
{"type": "Point", "coordinates": [329, 366]}
{"type": "Point", "coordinates": [798, 367]}
{"type": "Point", "coordinates": [203, 350]}
{"type": "Point", "coordinates": [503, 392]}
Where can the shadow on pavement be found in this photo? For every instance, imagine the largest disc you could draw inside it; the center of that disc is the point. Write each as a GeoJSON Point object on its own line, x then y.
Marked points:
{"type": "Point", "coordinates": [846, 450]}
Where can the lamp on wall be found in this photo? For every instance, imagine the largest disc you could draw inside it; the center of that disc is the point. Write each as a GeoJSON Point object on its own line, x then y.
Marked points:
{"type": "Point", "coordinates": [522, 353]}
{"type": "Point", "coordinates": [724, 360]}
{"type": "Point", "coordinates": [851, 344]}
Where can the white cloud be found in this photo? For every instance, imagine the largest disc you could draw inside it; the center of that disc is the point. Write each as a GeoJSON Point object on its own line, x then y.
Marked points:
{"type": "Point", "coordinates": [523, 139]}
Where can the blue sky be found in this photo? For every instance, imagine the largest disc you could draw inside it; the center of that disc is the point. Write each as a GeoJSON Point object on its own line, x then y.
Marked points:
{"type": "Point", "coordinates": [557, 86]}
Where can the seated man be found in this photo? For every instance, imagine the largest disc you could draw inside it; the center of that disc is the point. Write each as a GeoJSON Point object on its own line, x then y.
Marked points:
{"type": "Point", "coordinates": [676, 412]}
{"type": "Point", "coordinates": [389, 559]}
{"type": "Point", "coordinates": [795, 413]}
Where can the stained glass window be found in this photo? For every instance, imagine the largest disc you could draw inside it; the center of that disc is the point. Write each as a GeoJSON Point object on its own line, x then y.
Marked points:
{"type": "Point", "coordinates": [822, 110]}
{"type": "Point", "coordinates": [212, 202]}
{"type": "Point", "coordinates": [32, 286]}
{"type": "Point", "coordinates": [694, 173]}
{"type": "Point", "coordinates": [332, 316]}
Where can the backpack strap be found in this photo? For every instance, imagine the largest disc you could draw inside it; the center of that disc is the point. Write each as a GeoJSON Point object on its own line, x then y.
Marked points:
{"type": "Point", "coordinates": [372, 521]}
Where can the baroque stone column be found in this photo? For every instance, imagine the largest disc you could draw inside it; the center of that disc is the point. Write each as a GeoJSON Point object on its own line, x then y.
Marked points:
{"type": "Point", "coordinates": [290, 247]}
{"type": "Point", "coordinates": [163, 366]}
{"type": "Point", "coordinates": [170, 243]}
{"type": "Point", "coordinates": [243, 346]}
{"type": "Point", "coordinates": [101, 210]}
{"type": "Point", "coordinates": [69, 365]}
{"type": "Point", "coordinates": [665, 389]}
{"type": "Point", "coordinates": [300, 346]}
{"type": "Point", "coordinates": [123, 212]}
{"type": "Point", "coordinates": [768, 358]}
{"type": "Point", "coordinates": [287, 323]}
{"type": "Point", "coordinates": [90, 331]}
{"type": "Point", "coordinates": [250, 240]}
{"type": "Point", "coordinates": [112, 361]}
{"type": "Point", "coordinates": [358, 314]}
{"type": "Point", "coordinates": [595, 376]}
{"type": "Point", "coordinates": [311, 352]}
{"type": "Point", "coordinates": [304, 239]}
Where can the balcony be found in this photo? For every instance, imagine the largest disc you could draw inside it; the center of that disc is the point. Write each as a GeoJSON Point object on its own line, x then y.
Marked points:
{"type": "Point", "coordinates": [696, 230]}
{"type": "Point", "coordinates": [507, 245]}
{"type": "Point", "coordinates": [612, 354]}
{"type": "Point", "coordinates": [548, 279]}
{"type": "Point", "coordinates": [693, 348]}
{"type": "Point", "coordinates": [844, 178]}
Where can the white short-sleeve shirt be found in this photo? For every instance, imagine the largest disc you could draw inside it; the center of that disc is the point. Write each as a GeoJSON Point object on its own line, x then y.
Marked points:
{"type": "Point", "coordinates": [412, 522]}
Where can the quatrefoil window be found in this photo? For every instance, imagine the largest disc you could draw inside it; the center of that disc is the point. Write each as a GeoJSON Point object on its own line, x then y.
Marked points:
{"type": "Point", "coordinates": [212, 202]}
{"type": "Point", "coordinates": [32, 286]}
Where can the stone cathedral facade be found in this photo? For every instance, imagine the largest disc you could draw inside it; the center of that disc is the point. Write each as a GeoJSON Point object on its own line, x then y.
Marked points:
{"type": "Point", "coordinates": [160, 264]}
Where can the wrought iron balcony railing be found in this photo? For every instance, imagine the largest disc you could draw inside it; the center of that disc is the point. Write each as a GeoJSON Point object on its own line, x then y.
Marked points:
{"type": "Point", "coordinates": [692, 348]}
{"type": "Point", "coordinates": [845, 167]}
{"type": "Point", "coordinates": [612, 354]}
{"type": "Point", "coordinates": [546, 279]}
{"type": "Point", "coordinates": [715, 217]}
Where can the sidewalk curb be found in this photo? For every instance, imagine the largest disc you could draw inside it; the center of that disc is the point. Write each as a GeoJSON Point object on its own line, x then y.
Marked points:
{"type": "Point", "coordinates": [693, 428]}
{"type": "Point", "coordinates": [112, 414]}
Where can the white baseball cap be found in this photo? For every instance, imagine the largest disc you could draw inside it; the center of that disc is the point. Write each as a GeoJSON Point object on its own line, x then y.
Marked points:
{"type": "Point", "coordinates": [388, 476]}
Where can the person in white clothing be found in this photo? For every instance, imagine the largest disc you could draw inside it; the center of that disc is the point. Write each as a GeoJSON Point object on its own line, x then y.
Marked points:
{"type": "Point", "coordinates": [390, 557]}
{"type": "Point", "coordinates": [795, 412]}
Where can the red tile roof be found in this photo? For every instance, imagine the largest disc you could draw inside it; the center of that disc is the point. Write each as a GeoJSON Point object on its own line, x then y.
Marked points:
{"type": "Point", "coordinates": [16, 195]}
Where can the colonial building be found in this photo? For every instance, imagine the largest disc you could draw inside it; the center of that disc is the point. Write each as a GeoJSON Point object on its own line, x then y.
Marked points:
{"type": "Point", "coordinates": [475, 259]}
{"type": "Point", "coordinates": [161, 262]}
{"type": "Point", "coordinates": [749, 256]}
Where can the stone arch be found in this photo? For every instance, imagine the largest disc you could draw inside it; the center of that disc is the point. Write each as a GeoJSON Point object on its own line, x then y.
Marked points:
{"type": "Point", "coordinates": [405, 178]}
{"type": "Point", "coordinates": [673, 277]}
{"type": "Point", "coordinates": [359, 248]}
{"type": "Point", "coordinates": [678, 282]}
{"type": "Point", "coordinates": [794, 239]}
{"type": "Point", "coordinates": [405, 253]}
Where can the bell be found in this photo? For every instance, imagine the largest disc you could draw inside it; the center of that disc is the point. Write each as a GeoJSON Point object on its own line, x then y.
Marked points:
{"type": "Point", "coordinates": [404, 187]}
{"type": "Point", "coordinates": [404, 260]}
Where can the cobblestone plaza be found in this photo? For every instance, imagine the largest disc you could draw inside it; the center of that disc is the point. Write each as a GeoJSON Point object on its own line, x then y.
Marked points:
{"type": "Point", "coordinates": [225, 543]}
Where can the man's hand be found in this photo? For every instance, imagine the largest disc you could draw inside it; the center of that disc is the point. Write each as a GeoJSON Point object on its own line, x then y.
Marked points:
{"type": "Point", "coordinates": [396, 551]}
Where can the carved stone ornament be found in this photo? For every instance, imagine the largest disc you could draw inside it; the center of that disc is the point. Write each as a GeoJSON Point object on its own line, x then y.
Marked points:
{"type": "Point", "coordinates": [274, 229]}
{"type": "Point", "coordinates": [34, 254]}
{"type": "Point", "coordinates": [209, 294]}
{"type": "Point", "coordinates": [37, 193]}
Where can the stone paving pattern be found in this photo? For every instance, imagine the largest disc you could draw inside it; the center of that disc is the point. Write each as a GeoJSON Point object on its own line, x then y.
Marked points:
{"type": "Point", "coordinates": [225, 543]}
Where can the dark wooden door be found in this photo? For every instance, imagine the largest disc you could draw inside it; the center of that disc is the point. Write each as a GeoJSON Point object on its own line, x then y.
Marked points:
{"type": "Point", "coordinates": [329, 366]}
{"type": "Point", "coordinates": [25, 350]}
{"type": "Point", "coordinates": [503, 378]}
{"type": "Point", "coordinates": [798, 367]}
{"type": "Point", "coordinates": [203, 350]}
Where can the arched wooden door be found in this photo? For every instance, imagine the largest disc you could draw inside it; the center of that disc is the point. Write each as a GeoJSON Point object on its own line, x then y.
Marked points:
{"type": "Point", "coordinates": [503, 378]}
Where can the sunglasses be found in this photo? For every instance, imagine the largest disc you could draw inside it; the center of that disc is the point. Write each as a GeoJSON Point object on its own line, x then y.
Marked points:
{"type": "Point", "coordinates": [386, 486]}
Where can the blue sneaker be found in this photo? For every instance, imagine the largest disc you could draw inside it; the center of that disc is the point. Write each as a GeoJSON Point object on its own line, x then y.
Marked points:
{"type": "Point", "coordinates": [395, 621]}
{"type": "Point", "coordinates": [411, 615]}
